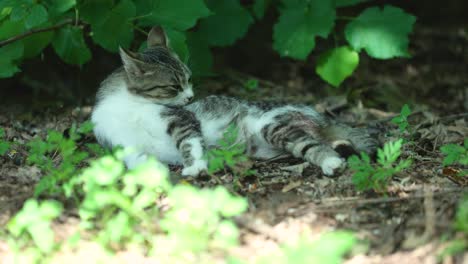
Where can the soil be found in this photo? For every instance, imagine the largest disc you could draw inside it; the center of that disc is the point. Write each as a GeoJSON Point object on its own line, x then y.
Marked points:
{"type": "Point", "coordinates": [405, 224]}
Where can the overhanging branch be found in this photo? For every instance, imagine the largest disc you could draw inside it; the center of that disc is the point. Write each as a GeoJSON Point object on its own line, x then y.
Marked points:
{"type": "Point", "coordinates": [35, 31]}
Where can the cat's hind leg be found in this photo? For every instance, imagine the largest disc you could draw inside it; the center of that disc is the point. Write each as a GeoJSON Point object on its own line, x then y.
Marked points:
{"type": "Point", "coordinates": [293, 138]}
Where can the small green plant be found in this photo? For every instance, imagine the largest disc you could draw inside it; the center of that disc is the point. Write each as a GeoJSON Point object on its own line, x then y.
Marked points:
{"type": "Point", "coordinates": [4, 145]}
{"type": "Point", "coordinates": [251, 84]}
{"type": "Point", "coordinates": [33, 224]}
{"type": "Point", "coordinates": [402, 119]}
{"type": "Point", "coordinates": [368, 176]}
{"type": "Point", "coordinates": [59, 158]}
{"type": "Point", "coordinates": [455, 154]}
{"type": "Point", "coordinates": [328, 249]}
{"type": "Point", "coordinates": [231, 154]}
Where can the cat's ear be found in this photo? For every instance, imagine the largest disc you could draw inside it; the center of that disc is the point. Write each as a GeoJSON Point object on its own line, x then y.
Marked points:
{"type": "Point", "coordinates": [130, 62]}
{"type": "Point", "coordinates": [157, 37]}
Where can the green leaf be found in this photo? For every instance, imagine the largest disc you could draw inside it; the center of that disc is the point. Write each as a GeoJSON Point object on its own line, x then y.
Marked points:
{"type": "Point", "coordinates": [4, 146]}
{"type": "Point", "coordinates": [229, 22]}
{"type": "Point", "coordinates": [37, 15]}
{"type": "Point", "coordinates": [20, 8]}
{"type": "Point", "coordinates": [453, 153]}
{"type": "Point", "coordinates": [201, 59]}
{"type": "Point", "coordinates": [11, 53]}
{"type": "Point", "coordinates": [405, 111]}
{"type": "Point", "coordinates": [251, 84]}
{"type": "Point", "coordinates": [177, 14]}
{"type": "Point", "coordinates": [34, 44]}
{"type": "Point", "coordinates": [390, 153]}
{"type": "Point", "coordinates": [10, 28]}
{"type": "Point", "coordinates": [9, 56]}
{"type": "Point", "coordinates": [299, 23]}
{"type": "Point", "coordinates": [57, 7]}
{"type": "Point", "coordinates": [144, 8]}
{"type": "Point", "coordinates": [332, 246]}
{"type": "Point", "coordinates": [178, 43]}
{"type": "Point", "coordinates": [4, 12]}
{"type": "Point", "coordinates": [259, 8]}
{"type": "Point", "coordinates": [343, 3]}
{"type": "Point", "coordinates": [383, 33]}
{"type": "Point", "coordinates": [337, 64]}
{"type": "Point", "coordinates": [226, 235]}
{"type": "Point", "coordinates": [69, 44]}
{"type": "Point", "coordinates": [94, 12]}
{"type": "Point", "coordinates": [104, 30]}
{"type": "Point", "coordinates": [402, 119]}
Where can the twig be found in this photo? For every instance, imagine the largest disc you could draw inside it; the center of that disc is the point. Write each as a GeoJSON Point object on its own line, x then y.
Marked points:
{"type": "Point", "coordinates": [358, 201]}
{"type": "Point", "coordinates": [429, 209]}
{"type": "Point", "coordinates": [35, 31]}
{"type": "Point", "coordinates": [257, 226]}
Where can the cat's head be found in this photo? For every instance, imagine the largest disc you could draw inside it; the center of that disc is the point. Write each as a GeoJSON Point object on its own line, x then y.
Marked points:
{"type": "Point", "coordinates": [157, 74]}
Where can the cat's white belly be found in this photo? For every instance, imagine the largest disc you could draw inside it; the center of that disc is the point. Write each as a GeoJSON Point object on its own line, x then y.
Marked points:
{"type": "Point", "coordinates": [213, 130]}
{"type": "Point", "coordinates": [119, 121]}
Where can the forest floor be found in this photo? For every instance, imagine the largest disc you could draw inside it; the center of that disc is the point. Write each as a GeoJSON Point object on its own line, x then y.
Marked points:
{"type": "Point", "coordinates": [287, 197]}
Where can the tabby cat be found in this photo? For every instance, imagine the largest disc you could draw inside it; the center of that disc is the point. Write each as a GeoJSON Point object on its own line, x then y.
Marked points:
{"type": "Point", "coordinates": [146, 105]}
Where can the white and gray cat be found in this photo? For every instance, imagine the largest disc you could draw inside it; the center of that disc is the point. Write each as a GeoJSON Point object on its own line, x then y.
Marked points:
{"type": "Point", "coordinates": [145, 105]}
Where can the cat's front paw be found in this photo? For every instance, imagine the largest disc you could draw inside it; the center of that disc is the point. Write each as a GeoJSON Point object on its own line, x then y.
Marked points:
{"type": "Point", "coordinates": [332, 164]}
{"type": "Point", "coordinates": [195, 169]}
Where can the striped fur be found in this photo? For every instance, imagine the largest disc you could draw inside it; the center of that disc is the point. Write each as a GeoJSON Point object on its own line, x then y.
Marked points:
{"type": "Point", "coordinates": [270, 129]}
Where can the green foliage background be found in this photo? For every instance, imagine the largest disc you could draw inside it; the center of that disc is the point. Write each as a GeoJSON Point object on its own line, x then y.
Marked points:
{"type": "Point", "coordinates": [196, 26]}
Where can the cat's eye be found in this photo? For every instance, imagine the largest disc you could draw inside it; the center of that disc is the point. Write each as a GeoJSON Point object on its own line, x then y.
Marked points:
{"type": "Point", "coordinates": [177, 87]}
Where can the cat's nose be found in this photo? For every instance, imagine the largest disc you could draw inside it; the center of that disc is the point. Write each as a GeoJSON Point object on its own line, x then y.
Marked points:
{"type": "Point", "coordinates": [189, 98]}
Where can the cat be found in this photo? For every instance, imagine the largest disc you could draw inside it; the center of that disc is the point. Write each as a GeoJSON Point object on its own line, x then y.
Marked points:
{"type": "Point", "coordinates": [146, 104]}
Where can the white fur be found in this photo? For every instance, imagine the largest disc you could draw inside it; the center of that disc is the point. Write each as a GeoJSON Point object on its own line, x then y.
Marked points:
{"type": "Point", "coordinates": [214, 129]}
{"type": "Point", "coordinates": [121, 118]}
{"type": "Point", "coordinates": [197, 167]}
{"type": "Point", "coordinates": [199, 164]}
{"type": "Point", "coordinates": [330, 164]}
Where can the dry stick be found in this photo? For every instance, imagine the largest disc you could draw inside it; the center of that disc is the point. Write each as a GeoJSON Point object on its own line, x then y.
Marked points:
{"type": "Point", "coordinates": [35, 31]}
{"type": "Point", "coordinates": [257, 226]}
{"type": "Point", "coordinates": [359, 201]}
{"type": "Point", "coordinates": [430, 213]}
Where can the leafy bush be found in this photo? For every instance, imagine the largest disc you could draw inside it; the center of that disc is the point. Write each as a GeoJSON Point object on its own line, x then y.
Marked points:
{"type": "Point", "coordinates": [194, 27]}
{"type": "Point", "coordinates": [120, 207]}
{"type": "Point", "coordinates": [368, 176]}
{"type": "Point", "coordinates": [33, 222]}
{"type": "Point", "coordinates": [117, 203]}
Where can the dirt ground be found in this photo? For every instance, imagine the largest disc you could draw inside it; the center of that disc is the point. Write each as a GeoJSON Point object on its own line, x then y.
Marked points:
{"type": "Point", "coordinates": [287, 196]}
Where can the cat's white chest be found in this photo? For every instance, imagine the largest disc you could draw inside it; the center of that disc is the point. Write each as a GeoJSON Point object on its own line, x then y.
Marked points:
{"type": "Point", "coordinates": [122, 119]}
